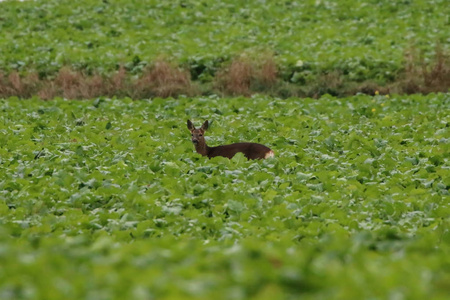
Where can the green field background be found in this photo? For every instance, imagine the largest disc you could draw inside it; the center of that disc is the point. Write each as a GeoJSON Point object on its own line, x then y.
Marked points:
{"type": "Point", "coordinates": [361, 39]}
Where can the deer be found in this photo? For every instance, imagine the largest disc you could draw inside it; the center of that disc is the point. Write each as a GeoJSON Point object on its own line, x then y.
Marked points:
{"type": "Point", "coordinates": [250, 150]}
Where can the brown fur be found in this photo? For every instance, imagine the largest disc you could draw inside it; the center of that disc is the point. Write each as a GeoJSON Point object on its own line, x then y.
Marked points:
{"type": "Point", "coordinates": [250, 150]}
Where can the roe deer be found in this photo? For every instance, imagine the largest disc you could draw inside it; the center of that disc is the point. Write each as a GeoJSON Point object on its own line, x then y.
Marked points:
{"type": "Point", "coordinates": [250, 150]}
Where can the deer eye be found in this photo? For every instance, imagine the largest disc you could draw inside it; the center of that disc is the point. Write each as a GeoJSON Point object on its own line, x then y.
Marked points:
{"type": "Point", "coordinates": [192, 134]}
{"type": "Point", "coordinates": [200, 134]}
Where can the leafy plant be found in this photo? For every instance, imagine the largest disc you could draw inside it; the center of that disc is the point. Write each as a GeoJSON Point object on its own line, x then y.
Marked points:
{"type": "Point", "coordinates": [361, 39]}
{"type": "Point", "coordinates": [107, 199]}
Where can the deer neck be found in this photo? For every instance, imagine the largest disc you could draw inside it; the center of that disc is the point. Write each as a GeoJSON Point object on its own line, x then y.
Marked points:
{"type": "Point", "coordinates": [202, 148]}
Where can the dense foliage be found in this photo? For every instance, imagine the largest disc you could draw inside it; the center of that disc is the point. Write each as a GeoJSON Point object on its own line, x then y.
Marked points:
{"type": "Point", "coordinates": [107, 199]}
{"type": "Point", "coordinates": [363, 39]}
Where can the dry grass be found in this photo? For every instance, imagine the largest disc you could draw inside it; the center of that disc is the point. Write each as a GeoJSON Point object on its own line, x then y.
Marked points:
{"type": "Point", "coordinates": [163, 79]}
{"type": "Point", "coordinates": [268, 72]}
{"type": "Point", "coordinates": [160, 80]}
{"type": "Point", "coordinates": [74, 85]}
{"type": "Point", "coordinates": [235, 79]}
{"type": "Point", "coordinates": [118, 83]}
{"type": "Point", "coordinates": [244, 76]}
{"type": "Point", "coordinates": [422, 77]}
{"type": "Point", "coordinates": [48, 91]}
{"type": "Point", "coordinates": [16, 85]}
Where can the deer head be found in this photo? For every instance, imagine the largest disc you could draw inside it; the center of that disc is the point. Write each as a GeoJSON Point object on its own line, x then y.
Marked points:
{"type": "Point", "coordinates": [198, 137]}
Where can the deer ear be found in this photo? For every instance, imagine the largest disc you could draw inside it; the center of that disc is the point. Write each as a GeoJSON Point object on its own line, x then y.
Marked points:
{"type": "Point", "coordinates": [205, 125]}
{"type": "Point", "coordinates": [190, 126]}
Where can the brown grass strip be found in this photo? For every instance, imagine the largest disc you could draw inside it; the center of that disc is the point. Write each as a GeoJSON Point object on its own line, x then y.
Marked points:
{"type": "Point", "coordinates": [163, 80]}
{"type": "Point", "coordinates": [243, 76]}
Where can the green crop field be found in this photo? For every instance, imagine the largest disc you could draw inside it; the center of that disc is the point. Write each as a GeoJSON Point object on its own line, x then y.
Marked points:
{"type": "Point", "coordinates": [106, 199]}
{"type": "Point", "coordinates": [363, 39]}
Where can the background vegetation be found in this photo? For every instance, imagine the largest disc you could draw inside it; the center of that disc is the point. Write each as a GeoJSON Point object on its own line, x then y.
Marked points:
{"type": "Point", "coordinates": [336, 47]}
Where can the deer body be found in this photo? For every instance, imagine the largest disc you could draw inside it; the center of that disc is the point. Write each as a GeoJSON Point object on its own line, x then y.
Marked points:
{"type": "Point", "coordinates": [250, 150]}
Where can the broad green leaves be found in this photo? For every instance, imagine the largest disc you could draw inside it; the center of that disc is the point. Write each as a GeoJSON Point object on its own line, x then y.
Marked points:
{"type": "Point", "coordinates": [359, 38]}
{"type": "Point", "coordinates": [109, 199]}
